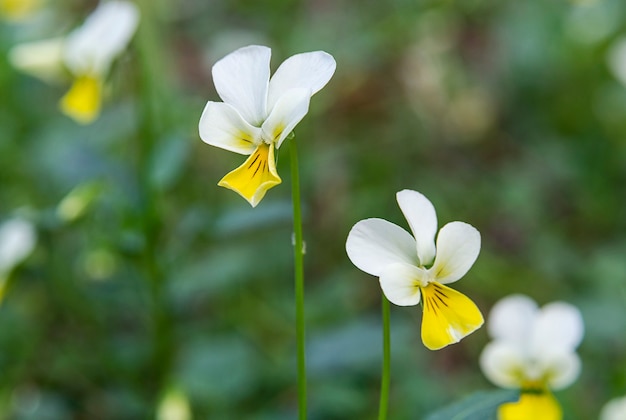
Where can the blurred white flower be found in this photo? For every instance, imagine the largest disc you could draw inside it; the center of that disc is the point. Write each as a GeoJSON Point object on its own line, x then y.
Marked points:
{"type": "Point", "coordinates": [258, 113]}
{"type": "Point", "coordinates": [615, 409]}
{"type": "Point", "coordinates": [174, 406]}
{"type": "Point", "coordinates": [17, 240]}
{"type": "Point", "coordinates": [412, 269]}
{"type": "Point", "coordinates": [533, 350]}
{"type": "Point", "coordinates": [616, 59]}
{"type": "Point", "coordinates": [87, 53]}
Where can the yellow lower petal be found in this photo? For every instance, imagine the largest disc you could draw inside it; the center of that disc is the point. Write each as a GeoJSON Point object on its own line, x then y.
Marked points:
{"type": "Point", "coordinates": [18, 9]}
{"type": "Point", "coordinates": [535, 406]}
{"type": "Point", "coordinates": [257, 175]}
{"type": "Point", "coordinates": [82, 101]}
{"type": "Point", "coordinates": [448, 316]}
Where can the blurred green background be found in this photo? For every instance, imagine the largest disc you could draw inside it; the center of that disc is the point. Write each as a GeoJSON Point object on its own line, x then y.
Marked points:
{"type": "Point", "coordinates": [505, 114]}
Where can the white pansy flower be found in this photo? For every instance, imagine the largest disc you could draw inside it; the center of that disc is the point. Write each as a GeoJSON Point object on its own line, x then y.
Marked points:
{"type": "Point", "coordinates": [532, 350]}
{"type": "Point", "coordinates": [87, 53]}
{"type": "Point", "coordinates": [615, 409]}
{"type": "Point", "coordinates": [415, 268]}
{"type": "Point", "coordinates": [17, 240]}
{"type": "Point", "coordinates": [616, 59]}
{"type": "Point", "coordinates": [258, 113]}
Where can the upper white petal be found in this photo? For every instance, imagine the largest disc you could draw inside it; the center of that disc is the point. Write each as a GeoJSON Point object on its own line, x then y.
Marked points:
{"type": "Point", "coordinates": [106, 32]}
{"type": "Point", "coordinates": [310, 71]}
{"type": "Point", "coordinates": [222, 126]}
{"type": "Point", "coordinates": [374, 244]}
{"type": "Point", "coordinates": [558, 327]}
{"type": "Point", "coordinates": [288, 112]}
{"type": "Point", "coordinates": [512, 318]}
{"type": "Point", "coordinates": [400, 283]}
{"type": "Point", "coordinates": [501, 363]}
{"type": "Point", "coordinates": [422, 218]}
{"type": "Point", "coordinates": [458, 245]}
{"type": "Point", "coordinates": [241, 79]}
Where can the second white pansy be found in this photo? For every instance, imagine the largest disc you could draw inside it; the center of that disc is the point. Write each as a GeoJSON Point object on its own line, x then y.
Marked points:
{"type": "Point", "coordinates": [258, 113]}
{"type": "Point", "coordinates": [533, 350]}
{"type": "Point", "coordinates": [414, 269]}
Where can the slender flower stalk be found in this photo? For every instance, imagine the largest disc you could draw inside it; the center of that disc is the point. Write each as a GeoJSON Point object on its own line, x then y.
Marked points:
{"type": "Point", "coordinates": [298, 259]}
{"type": "Point", "coordinates": [385, 380]}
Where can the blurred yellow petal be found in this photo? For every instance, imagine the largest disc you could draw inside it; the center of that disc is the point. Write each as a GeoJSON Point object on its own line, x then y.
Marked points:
{"type": "Point", "coordinates": [448, 316]}
{"type": "Point", "coordinates": [535, 406]}
{"type": "Point", "coordinates": [19, 9]}
{"type": "Point", "coordinates": [82, 102]}
{"type": "Point", "coordinates": [257, 175]}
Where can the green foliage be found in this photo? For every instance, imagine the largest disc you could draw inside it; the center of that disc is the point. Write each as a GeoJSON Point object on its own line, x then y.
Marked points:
{"type": "Point", "coordinates": [480, 405]}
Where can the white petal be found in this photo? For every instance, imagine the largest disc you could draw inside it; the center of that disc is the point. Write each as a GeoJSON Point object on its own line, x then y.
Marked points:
{"type": "Point", "coordinates": [512, 319]}
{"type": "Point", "coordinates": [458, 245]}
{"type": "Point", "coordinates": [374, 244]}
{"type": "Point", "coordinates": [222, 126]}
{"type": "Point", "coordinates": [241, 79]}
{"type": "Point", "coordinates": [288, 112]}
{"type": "Point", "coordinates": [420, 214]}
{"type": "Point", "coordinates": [615, 409]}
{"type": "Point", "coordinates": [560, 369]}
{"type": "Point", "coordinates": [17, 241]}
{"type": "Point", "coordinates": [558, 328]}
{"type": "Point", "coordinates": [91, 48]}
{"type": "Point", "coordinates": [310, 71]}
{"type": "Point", "coordinates": [501, 364]}
{"type": "Point", "coordinates": [616, 58]}
{"type": "Point", "coordinates": [42, 59]}
{"type": "Point", "coordinates": [401, 284]}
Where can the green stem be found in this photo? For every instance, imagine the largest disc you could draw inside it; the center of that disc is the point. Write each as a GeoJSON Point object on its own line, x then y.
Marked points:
{"type": "Point", "coordinates": [151, 82]}
{"type": "Point", "coordinates": [298, 258]}
{"type": "Point", "coordinates": [386, 376]}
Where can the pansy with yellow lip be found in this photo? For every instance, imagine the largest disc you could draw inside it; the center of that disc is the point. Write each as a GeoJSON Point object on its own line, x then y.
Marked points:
{"type": "Point", "coordinates": [534, 351]}
{"type": "Point", "coordinates": [413, 268]}
{"type": "Point", "coordinates": [87, 53]}
{"type": "Point", "coordinates": [258, 113]}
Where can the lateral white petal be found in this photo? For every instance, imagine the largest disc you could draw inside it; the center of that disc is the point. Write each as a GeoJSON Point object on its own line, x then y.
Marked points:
{"type": "Point", "coordinates": [401, 283]}
{"type": "Point", "coordinates": [558, 327]}
{"type": "Point", "coordinates": [91, 48]}
{"type": "Point", "coordinates": [422, 218]}
{"type": "Point", "coordinates": [502, 363]}
{"type": "Point", "coordinates": [374, 244]}
{"type": "Point", "coordinates": [310, 71]}
{"type": "Point", "coordinates": [42, 59]}
{"type": "Point", "coordinates": [561, 369]}
{"type": "Point", "coordinates": [241, 79]}
{"type": "Point", "coordinates": [288, 112]}
{"type": "Point", "coordinates": [458, 245]}
{"type": "Point", "coordinates": [222, 126]}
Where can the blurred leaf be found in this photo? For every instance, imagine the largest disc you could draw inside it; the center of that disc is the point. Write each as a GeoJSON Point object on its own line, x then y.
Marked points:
{"type": "Point", "coordinates": [168, 160]}
{"type": "Point", "coordinates": [481, 405]}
